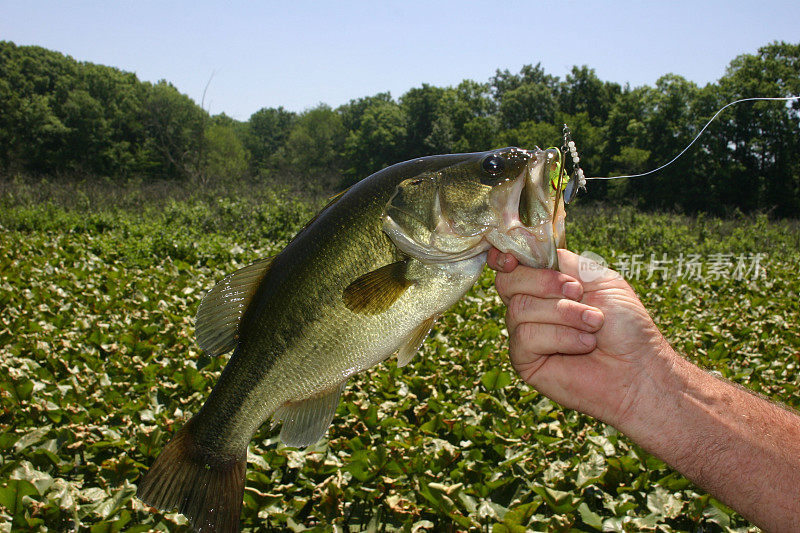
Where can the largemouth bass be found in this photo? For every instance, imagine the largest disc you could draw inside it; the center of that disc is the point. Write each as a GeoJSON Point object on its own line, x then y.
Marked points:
{"type": "Point", "coordinates": [366, 278]}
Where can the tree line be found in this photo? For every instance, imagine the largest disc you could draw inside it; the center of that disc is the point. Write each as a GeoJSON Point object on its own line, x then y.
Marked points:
{"type": "Point", "coordinates": [60, 117]}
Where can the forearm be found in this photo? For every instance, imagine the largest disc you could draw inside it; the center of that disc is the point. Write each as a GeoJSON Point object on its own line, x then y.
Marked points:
{"type": "Point", "coordinates": [740, 448]}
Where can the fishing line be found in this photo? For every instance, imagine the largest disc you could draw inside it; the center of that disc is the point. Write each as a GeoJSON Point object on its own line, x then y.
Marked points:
{"type": "Point", "coordinates": [787, 98]}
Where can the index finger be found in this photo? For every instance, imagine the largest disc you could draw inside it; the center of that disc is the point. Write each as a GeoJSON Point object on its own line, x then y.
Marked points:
{"type": "Point", "coordinates": [501, 262]}
{"type": "Point", "coordinates": [538, 282]}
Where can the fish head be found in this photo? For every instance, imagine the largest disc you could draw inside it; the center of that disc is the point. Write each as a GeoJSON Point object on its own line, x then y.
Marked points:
{"type": "Point", "coordinates": [503, 198]}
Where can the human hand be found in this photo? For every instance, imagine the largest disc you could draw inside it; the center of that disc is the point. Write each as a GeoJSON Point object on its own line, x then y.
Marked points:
{"type": "Point", "coordinates": [627, 375]}
{"type": "Point", "coordinates": [589, 345]}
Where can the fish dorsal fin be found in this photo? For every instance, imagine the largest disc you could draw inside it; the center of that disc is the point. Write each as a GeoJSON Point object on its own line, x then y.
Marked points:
{"type": "Point", "coordinates": [219, 314]}
{"type": "Point", "coordinates": [331, 202]}
{"type": "Point", "coordinates": [376, 291]}
{"type": "Point", "coordinates": [411, 346]}
{"type": "Point", "coordinates": [306, 421]}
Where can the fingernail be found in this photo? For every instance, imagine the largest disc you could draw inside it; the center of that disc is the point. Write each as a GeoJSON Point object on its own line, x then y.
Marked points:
{"type": "Point", "coordinates": [572, 290]}
{"type": "Point", "coordinates": [587, 339]}
{"type": "Point", "coordinates": [592, 318]}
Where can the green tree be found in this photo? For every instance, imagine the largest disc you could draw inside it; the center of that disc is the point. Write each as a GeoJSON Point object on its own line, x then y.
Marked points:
{"type": "Point", "coordinates": [531, 134]}
{"type": "Point", "coordinates": [670, 125]}
{"type": "Point", "coordinates": [763, 138]}
{"type": "Point", "coordinates": [267, 131]}
{"type": "Point", "coordinates": [378, 139]}
{"type": "Point", "coordinates": [312, 153]}
{"type": "Point", "coordinates": [421, 107]}
{"type": "Point", "coordinates": [527, 103]}
{"type": "Point", "coordinates": [504, 81]}
{"type": "Point", "coordinates": [174, 126]}
{"type": "Point", "coordinates": [583, 92]}
{"type": "Point", "coordinates": [225, 157]}
{"type": "Point", "coordinates": [60, 116]}
{"type": "Point", "coordinates": [474, 117]}
{"type": "Point", "coordinates": [352, 112]}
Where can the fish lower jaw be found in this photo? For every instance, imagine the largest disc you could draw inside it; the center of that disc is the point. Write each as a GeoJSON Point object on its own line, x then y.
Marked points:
{"type": "Point", "coordinates": [533, 246]}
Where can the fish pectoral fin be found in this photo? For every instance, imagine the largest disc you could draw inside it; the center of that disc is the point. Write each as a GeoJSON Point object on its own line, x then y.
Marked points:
{"type": "Point", "coordinates": [376, 291]}
{"type": "Point", "coordinates": [411, 346]}
{"type": "Point", "coordinates": [221, 310]}
{"type": "Point", "coordinates": [306, 421]}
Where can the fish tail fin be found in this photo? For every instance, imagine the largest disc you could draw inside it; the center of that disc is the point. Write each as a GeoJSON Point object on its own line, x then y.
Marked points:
{"type": "Point", "coordinates": [208, 490]}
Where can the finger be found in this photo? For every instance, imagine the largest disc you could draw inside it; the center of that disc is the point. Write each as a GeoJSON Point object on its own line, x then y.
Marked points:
{"type": "Point", "coordinates": [500, 261]}
{"type": "Point", "coordinates": [559, 311]}
{"type": "Point", "coordinates": [531, 339]}
{"type": "Point", "coordinates": [537, 282]}
{"type": "Point", "coordinates": [585, 269]}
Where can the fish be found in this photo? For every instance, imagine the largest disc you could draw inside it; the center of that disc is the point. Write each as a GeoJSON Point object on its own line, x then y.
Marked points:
{"type": "Point", "coordinates": [366, 278]}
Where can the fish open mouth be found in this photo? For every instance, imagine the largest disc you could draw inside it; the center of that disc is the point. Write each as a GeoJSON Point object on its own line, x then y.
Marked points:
{"type": "Point", "coordinates": [523, 215]}
{"type": "Point", "coordinates": [531, 225]}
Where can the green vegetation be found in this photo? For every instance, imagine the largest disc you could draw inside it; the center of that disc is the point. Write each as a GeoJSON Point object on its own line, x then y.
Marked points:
{"type": "Point", "coordinates": [60, 118]}
{"type": "Point", "coordinates": [98, 286]}
{"type": "Point", "coordinates": [122, 202]}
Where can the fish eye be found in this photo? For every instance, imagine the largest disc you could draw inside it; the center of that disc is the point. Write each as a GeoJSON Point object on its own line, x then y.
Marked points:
{"type": "Point", "coordinates": [494, 165]}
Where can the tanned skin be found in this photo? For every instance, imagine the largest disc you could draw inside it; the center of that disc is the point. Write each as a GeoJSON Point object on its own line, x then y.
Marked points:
{"type": "Point", "coordinates": [592, 346]}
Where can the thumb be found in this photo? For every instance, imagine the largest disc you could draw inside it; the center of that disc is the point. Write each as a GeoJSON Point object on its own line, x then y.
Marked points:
{"type": "Point", "coordinates": [585, 268]}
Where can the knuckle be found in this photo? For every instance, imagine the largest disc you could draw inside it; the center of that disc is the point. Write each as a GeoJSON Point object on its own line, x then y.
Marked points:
{"type": "Point", "coordinates": [553, 282]}
{"type": "Point", "coordinates": [545, 283]}
{"type": "Point", "coordinates": [518, 304]}
{"type": "Point", "coordinates": [502, 284]}
{"type": "Point", "coordinates": [521, 342]}
{"type": "Point", "coordinates": [526, 333]}
{"type": "Point", "coordinates": [562, 336]}
{"type": "Point", "coordinates": [565, 311]}
{"type": "Point", "coordinates": [567, 338]}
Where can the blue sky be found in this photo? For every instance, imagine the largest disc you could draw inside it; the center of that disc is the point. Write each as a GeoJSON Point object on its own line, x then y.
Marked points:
{"type": "Point", "coordinates": [298, 54]}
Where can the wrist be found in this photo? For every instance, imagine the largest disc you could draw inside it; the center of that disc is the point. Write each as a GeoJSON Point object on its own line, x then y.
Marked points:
{"type": "Point", "coordinates": [653, 397]}
{"type": "Point", "coordinates": [742, 449]}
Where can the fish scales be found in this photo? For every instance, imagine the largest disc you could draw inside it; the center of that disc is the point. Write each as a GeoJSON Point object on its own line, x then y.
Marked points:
{"type": "Point", "coordinates": [316, 266]}
{"type": "Point", "coordinates": [366, 277]}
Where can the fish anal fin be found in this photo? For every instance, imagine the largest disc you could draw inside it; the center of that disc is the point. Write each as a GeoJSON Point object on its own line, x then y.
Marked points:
{"type": "Point", "coordinates": [306, 421]}
{"type": "Point", "coordinates": [376, 291]}
{"type": "Point", "coordinates": [221, 310]}
{"type": "Point", "coordinates": [413, 342]}
{"type": "Point", "coordinates": [207, 489]}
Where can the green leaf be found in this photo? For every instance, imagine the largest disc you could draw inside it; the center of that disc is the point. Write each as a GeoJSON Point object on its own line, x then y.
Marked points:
{"type": "Point", "coordinates": [521, 514]}
{"type": "Point", "coordinates": [30, 438]}
{"type": "Point", "coordinates": [603, 443]}
{"type": "Point", "coordinates": [590, 469]}
{"type": "Point", "coordinates": [20, 390]}
{"type": "Point", "coordinates": [589, 517]}
{"type": "Point", "coordinates": [41, 480]}
{"type": "Point", "coordinates": [663, 503]}
{"type": "Point", "coordinates": [12, 494]}
{"type": "Point", "coordinates": [718, 514]}
{"type": "Point", "coordinates": [110, 506]}
{"type": "Point", "coordinates": [495, 378]}
{"type": "Point", "coordinates": [558, 500]}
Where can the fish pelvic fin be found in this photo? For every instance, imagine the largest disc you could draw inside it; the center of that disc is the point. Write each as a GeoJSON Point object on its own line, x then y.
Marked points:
{"type": "Point", "coordinates": [306, 421]}
{"type": "Point", "coordinates": [414, 341]}
{"type": "Point", "coordinates": [376, 291]}
{"type": "Point", "coordinates": [221, 311]}
{"type": "Point", "coordinates": [207, 489]}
